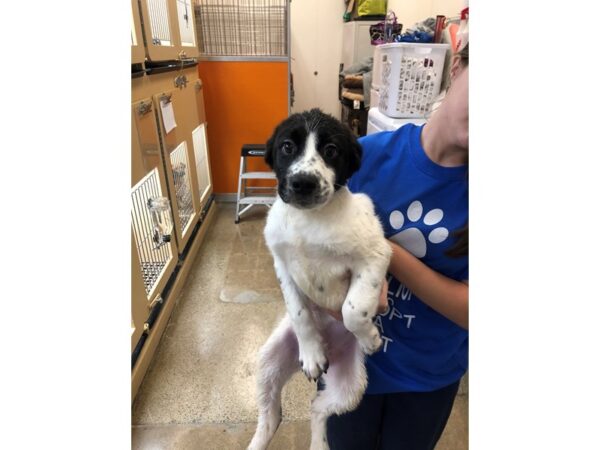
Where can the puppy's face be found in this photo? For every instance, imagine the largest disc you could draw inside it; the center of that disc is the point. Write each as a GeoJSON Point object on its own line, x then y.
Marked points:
{"type": "Point", "coordinates": [313, 155]}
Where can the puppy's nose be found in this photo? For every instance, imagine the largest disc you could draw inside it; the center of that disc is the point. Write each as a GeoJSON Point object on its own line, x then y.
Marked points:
{"type": "Point", "coordinates": [304, 184]}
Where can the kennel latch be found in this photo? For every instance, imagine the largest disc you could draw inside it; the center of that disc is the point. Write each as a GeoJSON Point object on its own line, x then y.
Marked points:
{"type": "Point", "coordinates": [144, 108]}
{"type": "Point", "coordinates": [181, 81]}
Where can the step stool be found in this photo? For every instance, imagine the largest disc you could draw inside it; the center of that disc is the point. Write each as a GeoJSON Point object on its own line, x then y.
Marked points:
{"type": "Point", "coordinates": [248, 196]}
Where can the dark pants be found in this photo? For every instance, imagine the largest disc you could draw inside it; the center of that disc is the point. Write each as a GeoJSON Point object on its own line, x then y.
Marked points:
{"type": "Point", "coordinates": [398, 421]}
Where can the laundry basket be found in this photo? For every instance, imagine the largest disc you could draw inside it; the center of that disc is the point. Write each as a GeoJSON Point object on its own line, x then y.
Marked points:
{"type": "Point", "coordinates": [411, 75]}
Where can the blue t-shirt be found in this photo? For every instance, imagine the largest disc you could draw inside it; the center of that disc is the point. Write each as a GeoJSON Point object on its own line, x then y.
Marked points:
{"type": "Point", "coordinates": [420, 204]}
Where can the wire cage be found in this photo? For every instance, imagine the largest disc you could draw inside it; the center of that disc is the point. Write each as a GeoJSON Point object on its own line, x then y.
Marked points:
{"type": "Point", "coordinates": [242, 27]}
{"type": "Point", "coordinates": [159, 22]}
{"type": "Point", "coordinates": [183, 186]}
{"type": "Point", "coordinates": [152, 228]}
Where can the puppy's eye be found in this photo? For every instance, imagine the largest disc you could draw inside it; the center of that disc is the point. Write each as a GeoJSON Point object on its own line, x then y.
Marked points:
{"type": "Point", "coordinates": [288, 147]}
{"type": "Point", "coordinates": [330, 151]}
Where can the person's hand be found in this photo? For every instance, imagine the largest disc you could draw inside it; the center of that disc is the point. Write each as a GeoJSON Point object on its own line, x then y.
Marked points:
{"type": "Point", "coordinates": [382, 306]}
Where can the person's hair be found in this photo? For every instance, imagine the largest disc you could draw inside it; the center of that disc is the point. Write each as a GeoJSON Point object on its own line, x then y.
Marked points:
{"type": "Point", "coordinates": [464, 55]}
{"type": "Point", "coordinates": [461, 246]}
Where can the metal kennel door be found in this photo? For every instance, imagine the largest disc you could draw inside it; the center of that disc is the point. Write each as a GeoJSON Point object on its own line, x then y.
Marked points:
{"type": "Point", "coordinates": [153, 252]}
{"type": "Point", "coordinates": [178, 117]}
{"type": "Point", "coordinates": [169, 29]}
{"type": "Point", "coordinates": [154, 255]}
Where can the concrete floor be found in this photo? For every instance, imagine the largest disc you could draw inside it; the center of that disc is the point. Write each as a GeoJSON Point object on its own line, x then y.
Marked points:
{"type": "Point", "coordinates": [199, 391]}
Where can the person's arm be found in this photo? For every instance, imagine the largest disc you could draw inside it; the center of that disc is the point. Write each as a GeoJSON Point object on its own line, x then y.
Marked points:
{"type": "Point", "coordinates": [448, 297]}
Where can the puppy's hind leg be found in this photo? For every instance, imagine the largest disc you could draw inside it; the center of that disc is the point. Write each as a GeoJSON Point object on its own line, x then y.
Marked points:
{"type": "Point", "coordinates": [277, 361]}
{"type": "Point", "coordinates": [345, 383]}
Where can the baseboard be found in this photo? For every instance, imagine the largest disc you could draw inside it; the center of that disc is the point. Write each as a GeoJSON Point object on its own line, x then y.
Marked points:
{"type": "Point", "coordinates": [226, 198]}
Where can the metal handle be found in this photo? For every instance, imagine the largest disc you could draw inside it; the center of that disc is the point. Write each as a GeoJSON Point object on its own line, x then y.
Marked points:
{"type": "Point", "coordinates": [165, 98]}
{"type": "Point", "coordinates": [198, 85]}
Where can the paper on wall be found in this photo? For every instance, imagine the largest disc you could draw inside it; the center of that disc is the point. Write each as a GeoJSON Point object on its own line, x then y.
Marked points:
{"type": "Point", "coordinates": [168, 115]}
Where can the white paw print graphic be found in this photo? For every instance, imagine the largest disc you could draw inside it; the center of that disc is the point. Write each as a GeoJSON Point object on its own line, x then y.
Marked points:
{"type": "Point", "coordinates": [411, 238]}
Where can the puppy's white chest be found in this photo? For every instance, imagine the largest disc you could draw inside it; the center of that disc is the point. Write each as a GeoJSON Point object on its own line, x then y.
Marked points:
{"type": "Point", "coordinates": [323, 277]}
{"type": "Point", "coordinates": [320, 249]}
{"type": "Point", "coordinates": [313, 256]}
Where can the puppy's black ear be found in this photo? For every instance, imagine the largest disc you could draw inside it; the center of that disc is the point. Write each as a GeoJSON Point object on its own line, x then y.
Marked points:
{"type": "Point", "coordinates": [269, 154]}
{"type": "Point", "coordinates": [355, 154]}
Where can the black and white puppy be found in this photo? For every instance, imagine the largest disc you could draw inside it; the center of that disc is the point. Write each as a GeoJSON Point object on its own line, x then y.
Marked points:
{"type": "Point", "coordinates": [329, 252]}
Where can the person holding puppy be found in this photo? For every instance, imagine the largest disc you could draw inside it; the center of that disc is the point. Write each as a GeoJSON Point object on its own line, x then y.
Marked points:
{"type": "Point", "coordinates": [417, 179]}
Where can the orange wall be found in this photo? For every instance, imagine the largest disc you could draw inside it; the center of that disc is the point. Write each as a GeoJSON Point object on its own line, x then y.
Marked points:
{"type": "Point", "coordinates": [244, 101]}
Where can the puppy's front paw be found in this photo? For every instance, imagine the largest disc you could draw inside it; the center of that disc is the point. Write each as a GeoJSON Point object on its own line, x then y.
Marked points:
{"type": "Point", "coordinates": [313, 361]}
{"type": "Point", "coordinates": [319, 443]}
{"type": "Point", "coordinates": [371, 343]}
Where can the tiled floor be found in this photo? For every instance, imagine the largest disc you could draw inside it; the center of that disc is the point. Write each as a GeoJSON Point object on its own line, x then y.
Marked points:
{"type": "Point", "coordinates": [199, 391]}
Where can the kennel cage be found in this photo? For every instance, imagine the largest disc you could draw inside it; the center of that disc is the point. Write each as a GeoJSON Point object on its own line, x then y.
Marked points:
{"type": "Point", "coordinates": [152, 229]}
{"type": "Point", "coordinates": [177, 112]}
{"type": "Point", "coordinates": [154, 255]}
{"type": "Point", "coordinates": [159, 22]}
{"type": "Point", "coordinates": [170, 215]}
{"type": "Point", "coordinates": [151, 208]}
{"type": "Point", "coordinates": [242, 27]}
{"type": "Point", "coordinates": [169, 29]}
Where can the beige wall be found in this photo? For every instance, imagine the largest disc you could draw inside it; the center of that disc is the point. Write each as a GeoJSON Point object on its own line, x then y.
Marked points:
{"type": "Point", "coordinates": [316, 28]}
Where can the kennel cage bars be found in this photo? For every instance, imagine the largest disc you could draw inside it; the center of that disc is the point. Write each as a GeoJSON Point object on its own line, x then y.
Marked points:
{"type": "Point", "coordinates": [153, 249]}
{"type": "Point", "coordinates": [242, 28]}
{"type": "Point", "coordinates": [151, 214]}
{"type": "Point", "coordinates": [152, 75]}
{"type": "Point", "coordinates": [183, 188]}
{"type": "Point", "coordinates": [159, 22]}
{"type": "Point", "coordinates": [152, 230]}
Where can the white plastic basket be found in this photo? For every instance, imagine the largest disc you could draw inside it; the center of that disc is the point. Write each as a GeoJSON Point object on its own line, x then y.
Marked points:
{"type": "Point", "coordinates": [374, 103]}
{"type": "Point", "coordinates": [376, 78]}
{"type": "Point", "coordinates": [411, 75]}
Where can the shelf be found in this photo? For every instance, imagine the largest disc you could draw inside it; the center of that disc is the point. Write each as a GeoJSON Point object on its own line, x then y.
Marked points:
{"type": "Point", "coordinates": [257, 200]}
{"type": "Point", "coordinates": [259, 175]}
